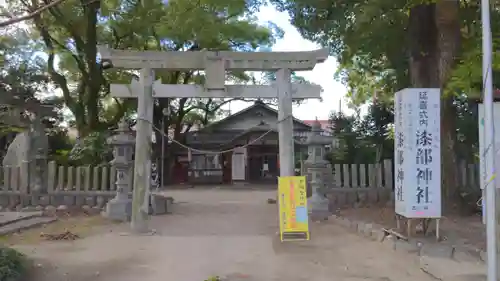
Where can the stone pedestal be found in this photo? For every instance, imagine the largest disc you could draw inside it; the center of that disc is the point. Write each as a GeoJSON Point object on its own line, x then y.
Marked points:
{"type": "Point", "coordinates": [318, 209]}
{"type": "Point", "coordinates": [120, 207]}
{"type": "Point", "coordinates": [160, 205]}
{"type": "Point", "coordinates": [318, 203]}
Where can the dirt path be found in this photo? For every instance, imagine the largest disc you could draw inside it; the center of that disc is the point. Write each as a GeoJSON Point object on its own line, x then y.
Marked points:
{"type": "Point", "coordinates": [220, 232]}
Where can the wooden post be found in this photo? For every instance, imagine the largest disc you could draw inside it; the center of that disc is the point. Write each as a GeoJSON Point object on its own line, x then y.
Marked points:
{"type": "Point", "coordinates": [104, 179]}
{"type": "Point", "coordinates": [86, 178]}
{"type": "Point", "coordinates": [354, 176]}
{"type": "Point", "coordinates": [142, 163]}
{"type": "Point", "coordinates": [60, 178]}
{"type": "Point", "coordinates": [95, 178]}
{"type": "Point", "coordinates": [70, 183]}
{"type": "Point", "coordinates": [347, 176]}
{"type": "Point", "coordinates": [388, 173]}
{"type": "Point", "coordinates": [362, 175]}
{"type": "Point", "coordinates": [338, 176]}
{"type": "Point", "coordinates": [285, 125]}
{"type": "Point", "coordinates": [51, 178]}
{"type": "Point", "coordinates": [78, 182]}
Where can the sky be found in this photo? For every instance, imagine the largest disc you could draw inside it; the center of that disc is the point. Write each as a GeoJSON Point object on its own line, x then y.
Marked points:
{"type": "Point", "coordinates": [322, 74]}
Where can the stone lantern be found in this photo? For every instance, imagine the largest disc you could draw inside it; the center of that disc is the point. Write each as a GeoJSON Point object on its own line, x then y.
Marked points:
{"type": "Point", "coordinates": [317, 169]}
{"type": "Point", "coordinates": [120, 207]}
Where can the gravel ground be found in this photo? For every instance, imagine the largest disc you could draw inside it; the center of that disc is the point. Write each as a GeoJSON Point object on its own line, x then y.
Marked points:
{"type": "Point", "coordinates": [225, 233]}
{"type": "Point", "coordinates": [458, 230]}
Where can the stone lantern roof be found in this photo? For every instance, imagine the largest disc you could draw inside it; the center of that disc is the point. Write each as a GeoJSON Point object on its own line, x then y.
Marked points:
{"type": "Point", "coordinates": [316, 138]}
{"type": "Point", "coordinates": [123, 135]}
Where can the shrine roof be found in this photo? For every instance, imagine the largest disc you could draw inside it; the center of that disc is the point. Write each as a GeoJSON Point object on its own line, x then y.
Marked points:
{"type": "Point", "coordinates": [256, 107]}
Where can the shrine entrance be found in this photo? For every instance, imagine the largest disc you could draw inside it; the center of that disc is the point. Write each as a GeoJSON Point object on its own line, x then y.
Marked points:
{"type": "Point", "coordinates": [263, 164]}
{"type": "Point", "coordinates": [215, 64]}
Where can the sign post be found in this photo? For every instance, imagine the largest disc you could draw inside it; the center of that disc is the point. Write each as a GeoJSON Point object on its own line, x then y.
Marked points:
{"type": "Point", "coordinates": [294, 220]}
{"type": "Point", "coordinates": [418, 155]}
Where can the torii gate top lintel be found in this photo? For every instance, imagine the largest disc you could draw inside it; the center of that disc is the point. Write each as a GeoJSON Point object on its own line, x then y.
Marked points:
{"type": "Point", "coordinates": [199, 60]}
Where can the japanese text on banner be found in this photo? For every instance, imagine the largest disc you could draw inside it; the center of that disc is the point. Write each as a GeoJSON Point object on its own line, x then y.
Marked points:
{"type": "Point", "coordinates": [293, 204]}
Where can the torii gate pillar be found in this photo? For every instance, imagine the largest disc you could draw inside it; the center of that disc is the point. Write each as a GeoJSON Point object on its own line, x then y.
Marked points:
{"type": "Point", "coordinates": [285, 123]}
{"type": "Point", "coordinates": [142, 161]}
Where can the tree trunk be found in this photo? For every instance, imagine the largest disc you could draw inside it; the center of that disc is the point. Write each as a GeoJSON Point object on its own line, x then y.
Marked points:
{"type": "Point", "coordinates": [434, 31]}
{"type": "Point", "coordinates": [424, 53]}
{"type": "Point", "coordinates": [449, 39]}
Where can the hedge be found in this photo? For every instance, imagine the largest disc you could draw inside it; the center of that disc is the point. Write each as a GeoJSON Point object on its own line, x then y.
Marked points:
{"type": "Point", "coordinates": [13, 264]}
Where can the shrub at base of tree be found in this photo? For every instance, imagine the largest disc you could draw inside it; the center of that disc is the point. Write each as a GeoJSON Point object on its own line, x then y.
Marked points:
{"type": "Point", "coordinates": [13, 265]}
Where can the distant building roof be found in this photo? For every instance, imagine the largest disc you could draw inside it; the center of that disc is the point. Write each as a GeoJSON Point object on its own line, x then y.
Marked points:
{"type": "Point", "coordinates": [325, 124]}
{"type": "Point", "coordinates": [257, 104]}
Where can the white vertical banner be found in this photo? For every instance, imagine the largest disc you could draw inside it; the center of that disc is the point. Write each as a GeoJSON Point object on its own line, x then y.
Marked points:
{"type": "Point", "coordinates": [399, 151]}
{"type": "Point", "coordinates": [418, 153]}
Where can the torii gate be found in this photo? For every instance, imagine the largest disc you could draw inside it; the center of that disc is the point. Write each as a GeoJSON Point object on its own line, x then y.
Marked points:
{"type": "Point", "coordinates": [215, 64]}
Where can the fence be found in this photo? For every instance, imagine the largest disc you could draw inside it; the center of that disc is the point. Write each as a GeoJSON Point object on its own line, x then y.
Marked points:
{"type": "Point", "coordinates": [346, 185]}
{"type": "Point", "coordinates": [359, 184]}
{"type": "Point", "coordinates": [365, 184]}
{"type": "Point", "coordinates": [381, 175]}
{"type": "Point", "coordinates": [378, 175]}
{"type": "Point", "coordinates": [66, 185]}
{"type": "Point", "coordinates": [469, 178]}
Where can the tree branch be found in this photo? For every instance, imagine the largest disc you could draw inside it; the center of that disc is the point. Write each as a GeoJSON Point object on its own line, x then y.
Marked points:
{"type": "Point", "coordinates": [78, 59]}
{"type": "Point", "coordinates": [59, 16]}
{"type": "Point", "coordinates": [59, 79]}
{"type": "Point", "coordinates": [30, 15]}
{"type": "Point", "coordinates": [119, 115]}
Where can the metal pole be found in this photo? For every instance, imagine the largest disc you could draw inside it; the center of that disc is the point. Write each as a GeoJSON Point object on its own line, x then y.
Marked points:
{"type": "Point", "coordinates": [489, 153]}
{"type": "Point", "coordinates": [162, 175]}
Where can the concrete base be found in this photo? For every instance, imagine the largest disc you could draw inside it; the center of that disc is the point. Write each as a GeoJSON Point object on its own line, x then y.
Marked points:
{"type": "Point", "coordinates": [318, 207]}
{"type": "Point", "coordinates": [160, 205]}
{"type": "Point", "coordinates": [118, 209]}
{"type": "Point", "coordinates": [240, 183]}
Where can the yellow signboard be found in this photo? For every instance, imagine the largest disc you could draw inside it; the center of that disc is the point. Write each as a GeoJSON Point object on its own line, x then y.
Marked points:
{"type": "Point", "coordinates": [294, 221]}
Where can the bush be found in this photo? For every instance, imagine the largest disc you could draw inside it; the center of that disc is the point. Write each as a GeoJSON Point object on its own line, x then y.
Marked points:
{"type": "Point", "coordinates": [91, 150]}
{"type": "Point", "coordinates": [13, 265]}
